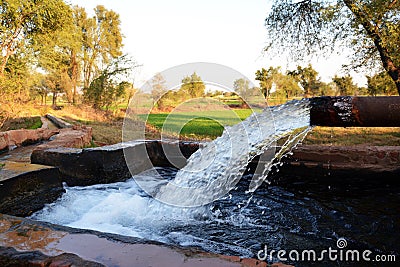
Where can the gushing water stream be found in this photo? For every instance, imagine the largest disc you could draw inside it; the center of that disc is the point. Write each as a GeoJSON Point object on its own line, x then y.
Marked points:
{"type": "Point", "coordinates": [214, 170]}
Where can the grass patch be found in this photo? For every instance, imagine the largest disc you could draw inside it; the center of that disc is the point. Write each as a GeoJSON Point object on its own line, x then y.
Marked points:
{"type": "Point", "coordinates": [22, 123]}
{"type": "Point", "coordinates": [197, 124]}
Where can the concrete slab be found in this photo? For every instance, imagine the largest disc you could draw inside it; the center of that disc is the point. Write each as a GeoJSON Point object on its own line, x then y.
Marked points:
{"type": "Point", "coordinates": [17, 162]}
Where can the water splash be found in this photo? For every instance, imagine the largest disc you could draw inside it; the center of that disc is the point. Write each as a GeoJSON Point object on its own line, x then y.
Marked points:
{"type": "Point", "coordinates": [215, 169]}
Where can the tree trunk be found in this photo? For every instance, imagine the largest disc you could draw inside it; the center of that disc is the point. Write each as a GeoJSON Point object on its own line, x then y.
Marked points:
{"type": "Point", "coordinates": [375, 36]}
{"type": "Point", "coordinates": [74, 76]}
{"type": "Point", "coordinates": [54, 100]}
{"type": "Point", "coordinates": [394, 73]}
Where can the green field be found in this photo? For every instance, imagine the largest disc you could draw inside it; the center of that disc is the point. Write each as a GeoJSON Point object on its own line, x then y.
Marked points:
{"type": "Point", "coordinates": [196, 124]}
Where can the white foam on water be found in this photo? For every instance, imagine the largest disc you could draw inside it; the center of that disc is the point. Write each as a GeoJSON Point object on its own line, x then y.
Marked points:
{"type": "Point", "coordinates": [120, 208]}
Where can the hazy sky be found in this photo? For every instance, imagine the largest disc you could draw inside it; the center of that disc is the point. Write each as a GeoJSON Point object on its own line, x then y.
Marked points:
{"type": "Point", "coordinates": [160, 34]}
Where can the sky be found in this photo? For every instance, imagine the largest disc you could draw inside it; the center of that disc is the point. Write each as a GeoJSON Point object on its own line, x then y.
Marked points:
{"type": "Point", "coordinates": [160, 34]}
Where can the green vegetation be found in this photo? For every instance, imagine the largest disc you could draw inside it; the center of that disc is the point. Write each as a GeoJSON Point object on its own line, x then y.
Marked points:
{"type": "Point", "coordinates": [104, 91]}
{"type": "Point", "coordinates": [50, 47]}
{"type": "Point", "coordinates": [22, 123]}
{"type": "Point", "coordinates": [380, 84]}
{"type": "Point", "coordinates": [192, 87]}
{"type": "Point", "coordinates": [370, 28]}
{"type": "Point", "coordinates": [196, 125]}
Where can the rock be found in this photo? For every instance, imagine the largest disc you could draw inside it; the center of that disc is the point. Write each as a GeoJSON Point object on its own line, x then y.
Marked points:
{"type": "Point", "coordinates": [58, 122]}
{"type": "Point", "coordinates": [77, 136]}
{"type": "Point", "coordinates": [108, 163]}
{"type": "Point", "coordinates": [30, 191]}
{"type": "Point", "coordinates": [22, 137]}
{"type": "Point", "coordinates": [24, 242]}
{"type": "Point", "coordinates": [11, 257]}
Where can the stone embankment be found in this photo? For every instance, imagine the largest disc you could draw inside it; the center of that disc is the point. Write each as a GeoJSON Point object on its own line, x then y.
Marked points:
{"type": "Point", "coordinates": [373, 158]}
{"type": "Point", "coordinates": [26, 187]}
{"type": "Point", "coordinates": [16, 138]}
{"type": "Point", "coordinates": [67, 135]}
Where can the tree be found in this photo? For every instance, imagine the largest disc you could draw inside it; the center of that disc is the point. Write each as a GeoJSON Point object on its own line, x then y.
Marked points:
{"type": "Point", "coordinates": [307, 77]}
{"type": "Point", "coordinates": [24, 20]}
{"type": "Point", "coordinates": [380, 83]}
{"type": "Point", "coordinates": [57, 55]}
{"type": "Point", "coordinates": [287, 86]}
{"type": "Point", "coordinates": [274, 82]}
{"type": "Point", "coordinates": [345, 85]}
{"type": "Point", "coordinates": [15, 82]}
{"type": "Point", "coordinates": [102, 41]}
{"type": "Point", "coordinates": [75, 62]}
{"type": "Point", "coordinates": [108, 87]}
{"type": "Point", "coordinates": [193, 86]}
{"type": "Point", "coordinates": [371, 27]}
{"type": "Point", "coordinates": [53, 83]}
{"type": "Point", "coordinates": [266, 78]}
{"type": "Point", "coordinates": [330, 89]}
{"type": "Point", "coordinates": [158, 88]}
{"type": "Point", "coordinates": [242, 87]}
{"type": "Point", "coordinates": [40, 88]}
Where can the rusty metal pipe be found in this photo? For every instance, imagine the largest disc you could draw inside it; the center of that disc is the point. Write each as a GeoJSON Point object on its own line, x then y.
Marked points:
{"type": "Point", "coordinates": [352, 111]}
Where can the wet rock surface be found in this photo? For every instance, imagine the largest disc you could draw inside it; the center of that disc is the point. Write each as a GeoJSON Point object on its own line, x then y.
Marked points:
{"type": "Point", "coordinates": [24, 242]}
{"type": "Point", "coordinates": [30, 191]}
{"type": "Point", "coordinates": [11, 257]}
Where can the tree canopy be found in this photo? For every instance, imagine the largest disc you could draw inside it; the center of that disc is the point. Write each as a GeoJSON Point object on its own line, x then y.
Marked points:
{"type": "Point", "coordinates": [109, 86]}
{"type": "Point", "coordinates": [102, 40]}
{"type": "Point", "coordinates": [307, 77]}
{"type": "Point", "coordinates": [345, 85]}
{"type": "Point", "coordinates": [193, 86]}
{"type": "Point", "coordinates": [380, 83]}
{"type": "Point", "coordinates": [370, 27]}
{"type": "Point", "coordinates": [23, 20]}
{"type": "Point", "coordinates": [242, 87]}
{"type": "Point", "coordinates": [274, 82]}
{"type": "Point", "coordinates": [158, 86]}
{"type": "Point", "coordinates": [52, 47]}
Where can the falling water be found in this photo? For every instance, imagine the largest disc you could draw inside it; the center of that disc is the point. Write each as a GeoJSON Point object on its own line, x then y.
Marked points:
{"type": "Point", "coordinates": [214, 170]}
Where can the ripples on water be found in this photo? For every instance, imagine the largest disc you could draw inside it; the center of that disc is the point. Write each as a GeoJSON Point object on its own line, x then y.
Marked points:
{"type": "Point", "coordinates": [238, 224]}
